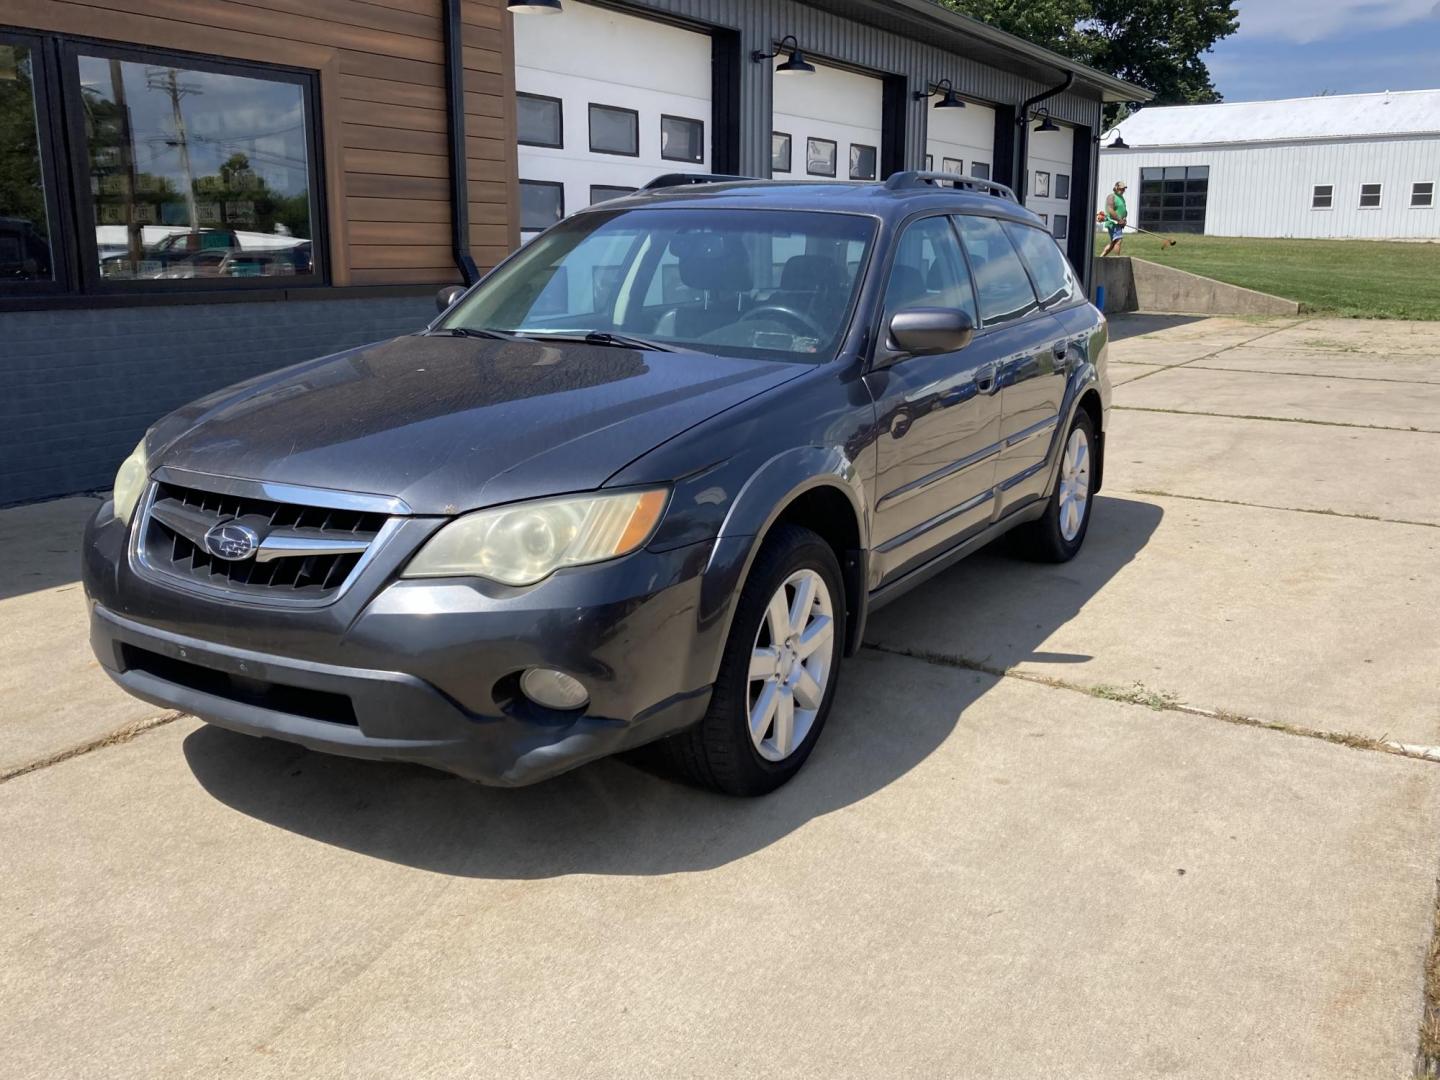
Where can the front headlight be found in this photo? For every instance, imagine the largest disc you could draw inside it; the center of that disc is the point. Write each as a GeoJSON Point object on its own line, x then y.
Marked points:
{"type": "Point", "coordinates": [130, 483]}
{"type": "Point", "coordinates": [526, 542]}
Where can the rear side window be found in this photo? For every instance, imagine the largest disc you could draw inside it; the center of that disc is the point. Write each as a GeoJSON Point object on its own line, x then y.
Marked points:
{"type": "Point", "coordinates": [929, 270]}
{"type": "Point", "coordinates": [1049, 269]}
{"type": "Point", "coordinates": [1000, 278]}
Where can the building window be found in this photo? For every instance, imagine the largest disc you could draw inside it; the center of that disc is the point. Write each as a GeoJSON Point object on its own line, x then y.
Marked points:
{"type": "Point", "coordinates": [614, 131]}
{"type": "Point", "coordinates": [538, 121]}
{"type": "Point", "coordinates": [820, 157]}
{"type": "Point", "coordinates": [1173, 198]}
{"type": "Point", "coordinates": [183, 173]}
{"type": "Point", "coordinates": [25, 249]}
{"type": "Point", "coordinates": [542, 204]}
{"type": "Point", "coordinates": [682, 139]}
{"type": "Point", "coordinates": [1042, 185]}
{"type": "Point", "coordinates": [952, 165]}
{"type": "Point", "coordinates": [980, 170]}
{"type": "Point", "coordinates": [1062, 186]}
{"type": "Point", "coordinates": [929, 162]}
{"type": "Point", "coordinates": [602, 193]}
{"type": "Point", "coordinates": [1062, 226]}
{"type": "Point", "coordinates": [1422, 194]}
{"type": "Point", "coordinates": [1369, 195]}
{"type": "Point", "coordinates": [862, 162]}
{"type": "Point", "coordinates": [779, 152]}
{"type": "Point", "coordinates": [1322, 197]}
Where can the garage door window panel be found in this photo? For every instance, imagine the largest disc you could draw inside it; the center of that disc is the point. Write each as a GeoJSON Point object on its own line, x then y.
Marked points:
{"type": "Point", "coordinates": [1002, 284]}
{"type": "Point", "coordinates": [542, 204]}
{"type": "Point", "coordinates": [980, 170]}
{"type": "Point", "coordinates": [779, 152]}
{"type": "Point", "coordinates": [614, 130]}
{"type": "Point", "coordinates": [862, 162]}
{"type": "Point", "coordinates": [820, 157]}
{"type": "Point", "coordinates": [540, 121]}
{"type": "Point", "coordinates": [682, 139]}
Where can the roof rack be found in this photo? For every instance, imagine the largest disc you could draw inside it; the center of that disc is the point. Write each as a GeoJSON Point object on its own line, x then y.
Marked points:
{"type": "Point", "coordinates": [913, 179]}
{"type": "Point", "coordinates": [680, 179]}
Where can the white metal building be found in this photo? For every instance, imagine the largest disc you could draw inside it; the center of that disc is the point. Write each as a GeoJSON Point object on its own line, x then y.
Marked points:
{"type": "Point", "coordinates": [1354, 165]}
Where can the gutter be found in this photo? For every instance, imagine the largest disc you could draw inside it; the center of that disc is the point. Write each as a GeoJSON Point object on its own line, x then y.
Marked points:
{"type": "Point", "coordinates": [1023, 119]}
{"type": "Point", "coordinates": [455, 112]}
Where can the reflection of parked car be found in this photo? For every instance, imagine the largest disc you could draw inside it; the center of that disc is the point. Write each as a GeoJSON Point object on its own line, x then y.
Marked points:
{"type": "Point", "coordinates": [202, 264]}
{"type": "Point", "coordinates": [174, 248]}
{"type": "Point", "coordinates": [577, 514]}
{"type": "Point", "coordinates": [24, 253]}
{"type": "Point", "coordinates": [257, 264]}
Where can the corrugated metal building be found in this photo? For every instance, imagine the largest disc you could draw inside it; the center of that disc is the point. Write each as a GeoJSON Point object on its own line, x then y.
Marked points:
{"type": "Point", "coordinates": [1344, 166]}
{"type": "Point", "coordinates": [194, 193]}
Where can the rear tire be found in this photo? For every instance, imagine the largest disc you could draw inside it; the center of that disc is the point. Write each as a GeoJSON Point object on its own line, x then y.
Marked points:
{"type": "Point", "coordinates": [1058, 534]}
{"type": "Point", "coordinates": [778, 674]}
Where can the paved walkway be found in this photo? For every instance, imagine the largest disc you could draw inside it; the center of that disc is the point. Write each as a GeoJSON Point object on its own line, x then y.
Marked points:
{"type": "Point", "coordinates": [1057, 843]}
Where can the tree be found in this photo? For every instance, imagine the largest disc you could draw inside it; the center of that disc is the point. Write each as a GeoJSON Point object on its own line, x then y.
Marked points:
{"type": "Point", "coordinates": [1157, 44]}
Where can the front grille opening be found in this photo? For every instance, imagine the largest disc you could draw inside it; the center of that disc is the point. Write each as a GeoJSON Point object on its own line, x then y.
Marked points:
{"type": "Point", "coordinates": [313, 577]}
{"type": "Point", "coordinates": [277, 697]}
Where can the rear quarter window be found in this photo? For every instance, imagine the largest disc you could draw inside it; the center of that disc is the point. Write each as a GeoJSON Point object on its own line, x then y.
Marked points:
{"type": "Point", "coordinates": [1055, 280]}
{"type": "Point", "coordinates": [1001, 282]}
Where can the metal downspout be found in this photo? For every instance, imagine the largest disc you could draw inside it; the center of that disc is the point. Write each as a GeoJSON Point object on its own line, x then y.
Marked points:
{"type": "Point", "coordinates": [455, 111]}
{"type": "Point", "coordinates": [1022, 173]}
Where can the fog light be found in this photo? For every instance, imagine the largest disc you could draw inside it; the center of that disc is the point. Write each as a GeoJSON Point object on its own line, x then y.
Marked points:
{"type": "Point", "coordinates": [553, 689]}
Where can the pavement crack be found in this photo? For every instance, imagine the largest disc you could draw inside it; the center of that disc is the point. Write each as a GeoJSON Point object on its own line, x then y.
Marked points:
{"type": "Point", "coordinates": [1268, 506]}
{"type": "Point", "coordinates": [115, 738]}
{"type": "Point", "coordinates": [1427, 1055]}
{"type": "Point", "coordinates": [1271, 419]}
{"type": "Point", "coordinates": [1161, 701]}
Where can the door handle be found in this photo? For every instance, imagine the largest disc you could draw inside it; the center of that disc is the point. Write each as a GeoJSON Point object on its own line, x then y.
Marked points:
{"type": "Point", "coordinates": [985, 380]}
{"type": "Point", "coordinates": [1062, 350]}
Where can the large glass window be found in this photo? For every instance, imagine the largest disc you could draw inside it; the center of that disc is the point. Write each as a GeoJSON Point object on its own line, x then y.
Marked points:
{"type": "Point", "coordinates": [736, 282]}
{"type": "Point", "coordinates": [1000, 277]}
{"type": "Point", "coordinates": [24, 220]}
{"type": "Point", "coordinates": [185, 162]}
{"type": "Point", "coordinates": [542, 204]}
{"type": "Point", "coordinates": [682, 139]}
{"type": "Point", "coordinates": [538, 121]}
{"type": "Point", "coordinates": [614, 130]}
{"type": "Point", "coordinates": [1173, 198]}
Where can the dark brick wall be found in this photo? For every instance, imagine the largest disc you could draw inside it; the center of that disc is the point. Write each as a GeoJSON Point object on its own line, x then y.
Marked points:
{"type": "Point", "coordinates": [79, 388]}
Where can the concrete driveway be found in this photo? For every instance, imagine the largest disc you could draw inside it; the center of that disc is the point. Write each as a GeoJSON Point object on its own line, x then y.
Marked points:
{"type": "Point", "coordinates": [1136, 816]}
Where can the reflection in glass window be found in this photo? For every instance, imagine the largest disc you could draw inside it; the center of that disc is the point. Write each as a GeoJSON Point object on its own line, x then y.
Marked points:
{"type": "Point", "coordinates": [682, 139]}
{"type": "Point", "coordinates": [537, 121]}
{"type": "Point", "coordinates": [614, 130]}
{"type": "Point", "coordinates": [24, 226]}
{"type": "Point", "coordinates": [186, 163]}
{"type": "Point", "coordinates": [980, 170]}
{"type": "Point", "coordinates": [862, 162]}
{"type": "Point", "coordinates": [929, 270]}
{"type": "Point", "coordinates": [1000, 278]}
{"type": "Point", "coordinates": [1062, 186]}
{"type": "Point", "coordinates": [820, 157]}
{"type": "Point", "coordinates": [1049, 269]}
{"type": "Point", "coordinates": [779, 152]}
{"type": "Point", "coordinates": [542, 204]}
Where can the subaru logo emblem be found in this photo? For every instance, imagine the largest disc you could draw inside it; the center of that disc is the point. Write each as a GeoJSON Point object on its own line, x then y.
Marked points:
{"type": "Point", "coordinates": [231, 541]}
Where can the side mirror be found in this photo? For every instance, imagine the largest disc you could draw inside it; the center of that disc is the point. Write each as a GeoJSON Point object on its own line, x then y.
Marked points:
{"type": "Point", "coordinates": [447, 295]}
{"type": "Point", "coordinates": [923, 331]}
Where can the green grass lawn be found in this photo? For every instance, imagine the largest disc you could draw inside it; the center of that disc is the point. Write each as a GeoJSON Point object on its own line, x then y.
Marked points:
{"type": "Point", "coordinates": [1366, 279]}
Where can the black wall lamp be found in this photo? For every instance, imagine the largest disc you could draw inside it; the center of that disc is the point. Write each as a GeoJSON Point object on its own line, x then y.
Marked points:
{"type": "Point", "coordinates": [946, 93]}
{"type": "Point", "coordinates": [1046, 124]}
{"type": "Point", "coordinates": [795, 65]}
{"type": "Point", "coordinates": [534, 7]}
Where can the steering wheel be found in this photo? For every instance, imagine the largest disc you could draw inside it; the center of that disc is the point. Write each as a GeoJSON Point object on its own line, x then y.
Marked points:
{"type": "Point", "coordinates": [785, 314]}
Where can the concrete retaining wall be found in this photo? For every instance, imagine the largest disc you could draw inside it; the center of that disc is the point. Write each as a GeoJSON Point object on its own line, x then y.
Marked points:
{"type": "Point", "coordinates": [1139, 285]}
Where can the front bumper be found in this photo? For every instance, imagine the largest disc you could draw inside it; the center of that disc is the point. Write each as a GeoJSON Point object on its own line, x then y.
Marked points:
{"type": "Point", "coordinates": [422, 671]}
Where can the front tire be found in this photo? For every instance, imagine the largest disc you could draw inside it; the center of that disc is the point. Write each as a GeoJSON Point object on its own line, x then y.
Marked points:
{"type": "Point", "coordinates": [1058, 535]}
{"type": "Point", "coordinates": [778, 675]}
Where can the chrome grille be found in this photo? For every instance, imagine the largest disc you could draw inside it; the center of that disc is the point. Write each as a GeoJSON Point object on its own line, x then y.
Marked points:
{"type": "Point", "coordinates": [305, 552]}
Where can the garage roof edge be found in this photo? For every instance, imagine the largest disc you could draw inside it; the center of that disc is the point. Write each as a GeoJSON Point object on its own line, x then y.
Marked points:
{"type": "Point", "coordinates": [1111, 89]}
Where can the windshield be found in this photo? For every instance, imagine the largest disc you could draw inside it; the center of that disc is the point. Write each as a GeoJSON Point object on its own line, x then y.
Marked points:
{"type": "Point", "coordinates": [766, 283]}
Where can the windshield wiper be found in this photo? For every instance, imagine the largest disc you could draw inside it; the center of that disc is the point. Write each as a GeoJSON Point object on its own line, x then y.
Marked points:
{"type": "Point", "coordinates": [603, 337]}
{"type": "Point", "coordinates": [470, 331]}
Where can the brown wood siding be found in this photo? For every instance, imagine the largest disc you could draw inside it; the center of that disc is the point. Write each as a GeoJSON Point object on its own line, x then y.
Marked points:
{"type": "Point", "coordinates": [384, 128]}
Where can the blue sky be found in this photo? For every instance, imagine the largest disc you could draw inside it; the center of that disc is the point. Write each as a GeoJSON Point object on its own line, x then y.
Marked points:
{"type": "Point", "coordinates": [1295, 48]}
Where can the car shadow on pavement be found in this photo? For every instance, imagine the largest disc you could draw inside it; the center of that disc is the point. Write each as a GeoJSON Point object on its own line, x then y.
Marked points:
{"type": "Point", "coordinates": [1134, 324]}
{"type": "Point", "coordinates": [612, 817]}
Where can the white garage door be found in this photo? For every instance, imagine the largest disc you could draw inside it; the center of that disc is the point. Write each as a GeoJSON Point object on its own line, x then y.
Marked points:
{"type": "Point", "coordinates": [827, 126]}
{"type": "Point", "coordinates": [605, 103]}
{"type": "Point", "coordinates": [1052, 154]}
{"type": "Point", "coordinates": [961, 140]}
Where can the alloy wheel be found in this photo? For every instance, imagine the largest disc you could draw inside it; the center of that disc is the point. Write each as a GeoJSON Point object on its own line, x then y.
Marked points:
{"type": "Point", "coordinates": [1074, 484]}
{"type": "Point", "coordinates": [790, 664]}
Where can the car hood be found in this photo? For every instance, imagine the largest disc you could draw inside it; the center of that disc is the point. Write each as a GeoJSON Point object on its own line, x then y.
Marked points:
{"type": "Point", "coordinates": [454, 423]}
